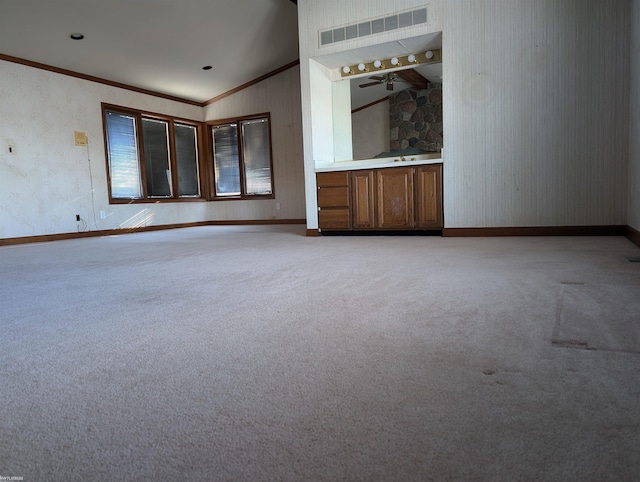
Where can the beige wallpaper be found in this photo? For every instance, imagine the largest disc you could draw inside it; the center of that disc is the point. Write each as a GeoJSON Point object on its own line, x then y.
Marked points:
{"type": "Point", "coordinates": [47, 180]}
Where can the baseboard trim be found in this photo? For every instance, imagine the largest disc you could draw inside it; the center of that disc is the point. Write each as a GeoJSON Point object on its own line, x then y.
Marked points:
{"type": "Point", "coordinates": [633, 235]}
{"type": "Point", "coordinates": [114, 232]}
{"type": "Point", "coordinates": [613, 230]}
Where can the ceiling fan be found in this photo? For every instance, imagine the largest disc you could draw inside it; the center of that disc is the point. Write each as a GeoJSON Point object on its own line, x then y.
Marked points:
{"type": "Point", "coordinates": [410, 76]}
{"type": "Point", "coordinates": [389, 79]}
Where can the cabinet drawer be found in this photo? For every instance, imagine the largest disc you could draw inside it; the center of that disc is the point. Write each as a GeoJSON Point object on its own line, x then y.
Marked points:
{"type": "Point", "coordinates": [332, 179]}
{"type": "Point", "coordinates": [335, 218]}
{"type": "Point", "coordinates": [329, 197]}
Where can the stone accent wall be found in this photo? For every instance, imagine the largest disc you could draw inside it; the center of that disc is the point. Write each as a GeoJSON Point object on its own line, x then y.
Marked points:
{"type": "Point", "coordinates": [415, 119]}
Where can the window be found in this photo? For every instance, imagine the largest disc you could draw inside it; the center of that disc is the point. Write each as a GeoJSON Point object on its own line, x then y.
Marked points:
{"type": "Point", "coordinates": [151, 157]}
{"type": "Point", "coordinates": [157, 158]}
{"type": "Point", "coordinates": [242, 166]}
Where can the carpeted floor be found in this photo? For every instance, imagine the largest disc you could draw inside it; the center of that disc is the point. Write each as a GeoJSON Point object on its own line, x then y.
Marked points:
{"type": "Point", "coordinates": [256, 353]}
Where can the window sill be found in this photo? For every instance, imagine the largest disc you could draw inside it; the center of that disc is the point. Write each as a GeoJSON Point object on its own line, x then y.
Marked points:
{"type": "Point", "coordinates": [188, 200]}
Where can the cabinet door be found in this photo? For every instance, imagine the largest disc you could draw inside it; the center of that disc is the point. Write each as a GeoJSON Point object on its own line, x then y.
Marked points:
{"type": "Point", "coordinates": [429, 197]}
{"type": "Point", "coordinates": [334, 219]}
{"type": "Point", "coordinates": [362, 206]}
{"type": "Point", "coordinates": [394, 198]}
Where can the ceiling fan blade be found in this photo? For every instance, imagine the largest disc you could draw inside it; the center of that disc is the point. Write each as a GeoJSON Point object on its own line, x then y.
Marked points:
{"type": "Point", "coordinates": [370, 84]}
{"type": "Point", "coordinates": [376, 77]}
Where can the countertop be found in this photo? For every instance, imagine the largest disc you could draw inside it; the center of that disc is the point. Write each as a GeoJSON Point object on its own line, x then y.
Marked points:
{"type": "Point", "coordinates": [435, 158]}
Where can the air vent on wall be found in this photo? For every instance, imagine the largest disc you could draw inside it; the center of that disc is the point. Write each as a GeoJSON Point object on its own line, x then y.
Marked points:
{"type": "Point", "coordinates": [373, 26]}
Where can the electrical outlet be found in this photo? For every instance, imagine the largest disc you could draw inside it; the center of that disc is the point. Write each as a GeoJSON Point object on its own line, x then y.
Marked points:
{"type": "Point", "coordinates": [277, 206]}
{"type": "Point", "coordinates": [103, 215]}
{"type": "Point", "coordinates": [77, 217]}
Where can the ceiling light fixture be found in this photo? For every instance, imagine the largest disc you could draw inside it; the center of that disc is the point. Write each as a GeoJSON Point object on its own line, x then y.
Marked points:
{"type": "Point", "coordinates": [76, 36]}
{"type": "Point", "coordinates": [396, 62]}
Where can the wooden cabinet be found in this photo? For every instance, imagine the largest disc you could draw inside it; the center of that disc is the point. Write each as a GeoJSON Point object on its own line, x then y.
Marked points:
{"type": "Point", "coordinates": [394, 198]}
{"type": "Point", "coordinates": [334, 209]}
{"type": "Point", "coordinates": [428, 189]}
{"type": "Point", "coordinates": [363, 195]}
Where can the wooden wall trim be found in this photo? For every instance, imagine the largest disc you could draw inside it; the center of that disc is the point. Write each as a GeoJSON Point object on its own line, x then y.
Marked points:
{"type": "Point", "coordinates": [613, 230]}
{"type": "Point", "coordinates": [370, 104]}
{"type": "Point", "coordinates": [633, 235]}
{"type": "Point", "coordinates": [161, 227]}
{"type": "Point", "coordinates": [99, 80]}
{"type": "Point", "coordinates": [91, 78]}
{"type": "Point", "coordinates": [251, 82]}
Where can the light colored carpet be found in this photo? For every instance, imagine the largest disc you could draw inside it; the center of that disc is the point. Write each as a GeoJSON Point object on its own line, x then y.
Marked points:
{"type": "Point", "coordinates": [255, 353]}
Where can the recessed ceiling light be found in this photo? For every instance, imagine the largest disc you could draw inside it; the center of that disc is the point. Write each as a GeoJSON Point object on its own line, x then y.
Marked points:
{"type": "Point", "coordinates": [76, 36]}
{"type": "Point", "coordinates": [207, 67]}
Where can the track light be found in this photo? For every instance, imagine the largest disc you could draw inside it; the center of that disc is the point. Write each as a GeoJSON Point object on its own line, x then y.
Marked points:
{"type": "Point", "coordinates": [396, 62]}
{"type": "Point", "coordinates": [347, 70]}
{"type": "Point", "coordinates": [378, 64]}
{"type": "Point", "coordinates": [429, 54]}
{"type": "Point", "coordinates": [411, 59]}
{"type": "Point", "coordinates": [362, 67]}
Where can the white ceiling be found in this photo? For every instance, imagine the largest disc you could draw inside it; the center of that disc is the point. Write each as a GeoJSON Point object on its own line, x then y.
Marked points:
{"type": "Point", "coordinates": [162, 45]}
{"type": "Point", "coordinates": [159, 45]}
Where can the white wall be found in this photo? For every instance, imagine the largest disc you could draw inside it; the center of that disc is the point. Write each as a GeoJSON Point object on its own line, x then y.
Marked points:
{"type": "Point", "coordinates": [370, 128]}
{"type": "Point", "coordinates": [634, 120]}
{"type": "Point", "coordinates": [535, 105]}
{"type": "Point", "coordinates": [47, 181]}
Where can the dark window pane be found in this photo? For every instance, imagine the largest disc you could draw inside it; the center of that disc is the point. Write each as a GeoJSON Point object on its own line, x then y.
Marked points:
{"type": "Point", "coordinates": [226, 164]}
{"type": "Point", "coordinates": [187, 160]}
{"type": "Point", "coordinates": [156, 157]}
{"type": "Point", "coordinates": [256, 154]}
{"type": "Point", "coordinates": [124, 168]}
